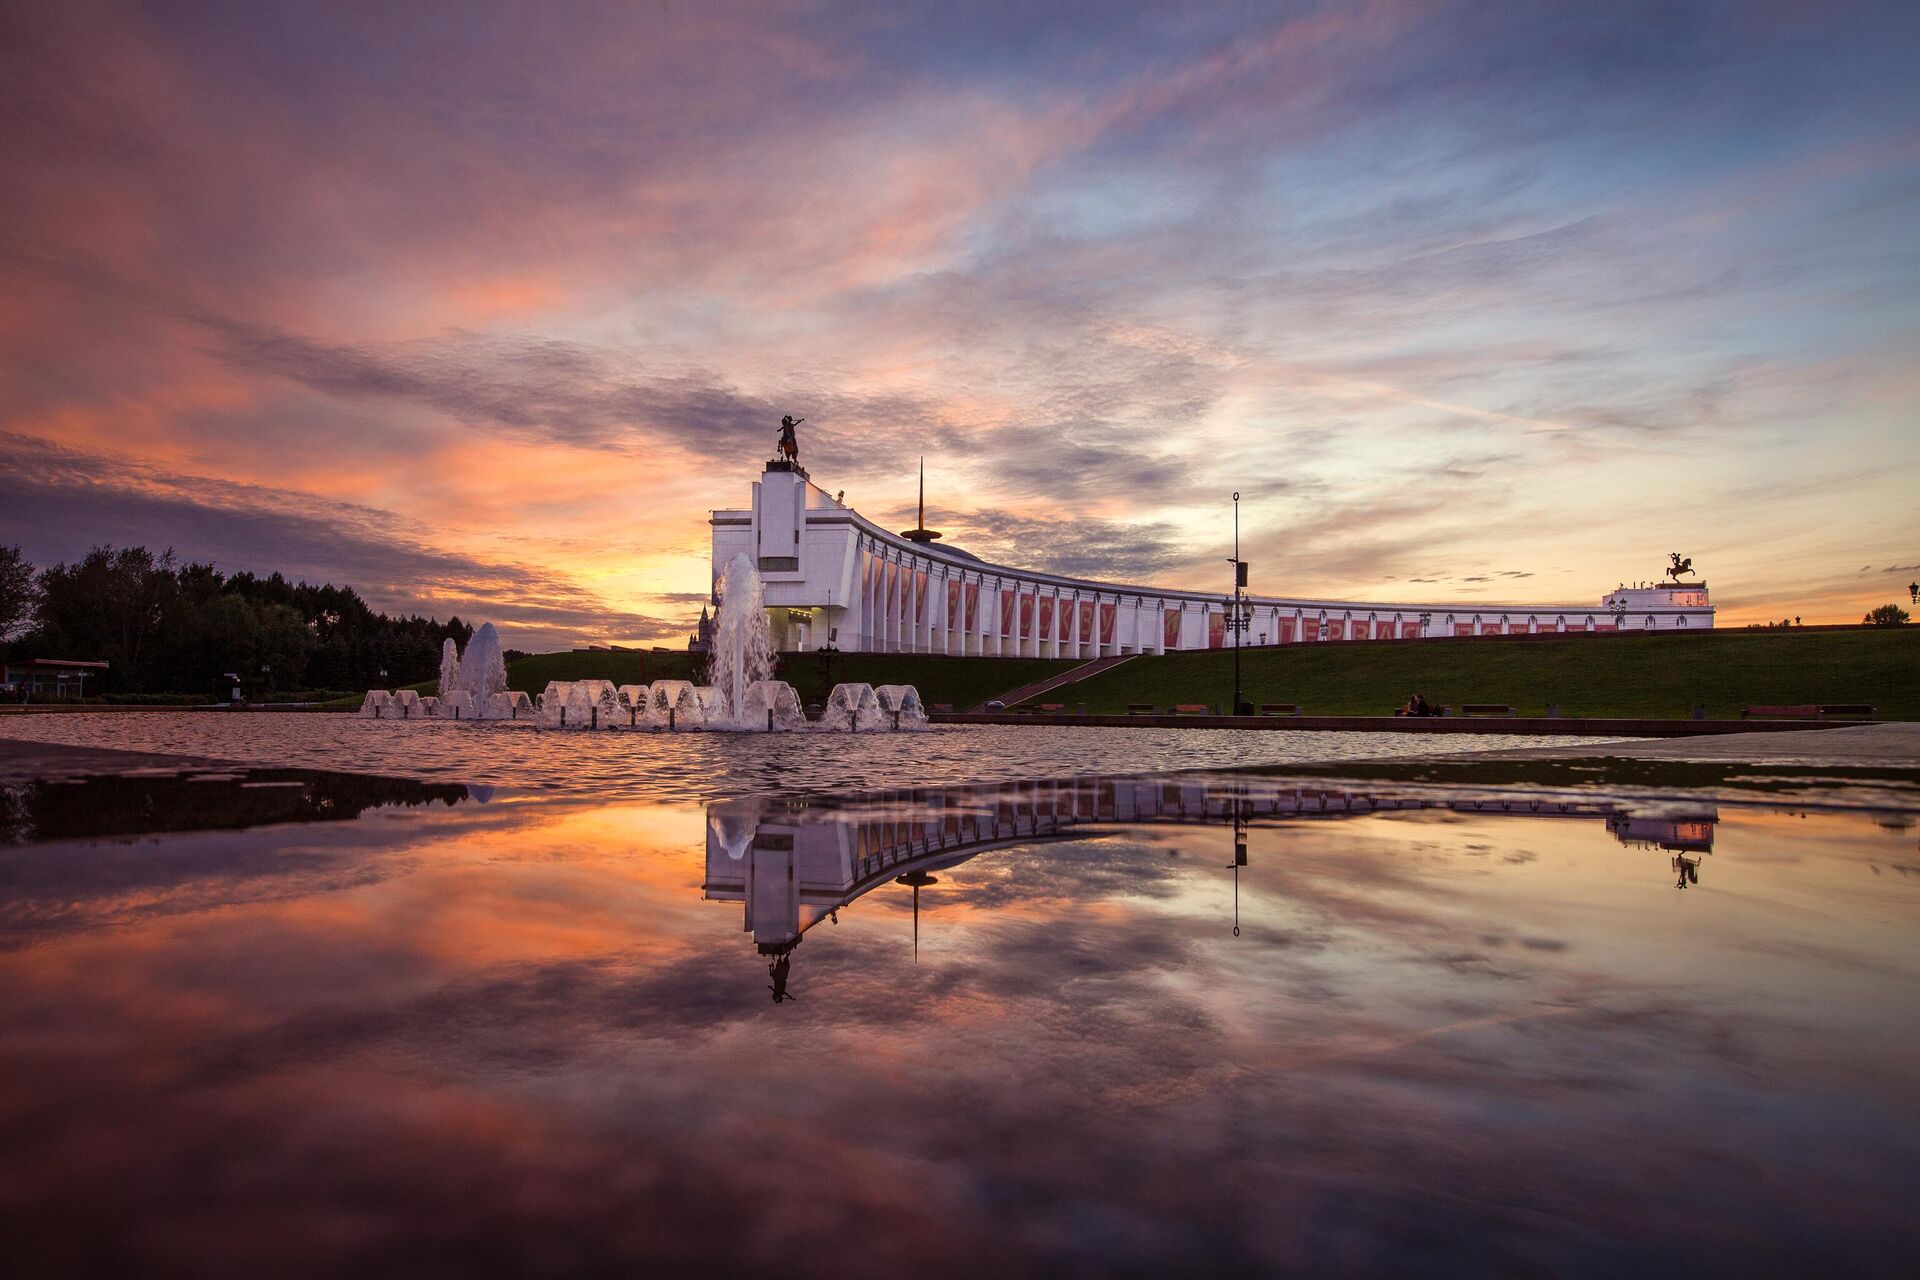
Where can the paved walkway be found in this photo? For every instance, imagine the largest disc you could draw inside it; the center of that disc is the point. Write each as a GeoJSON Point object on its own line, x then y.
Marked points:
{"type": "Point", "coordinates": [22, 761]}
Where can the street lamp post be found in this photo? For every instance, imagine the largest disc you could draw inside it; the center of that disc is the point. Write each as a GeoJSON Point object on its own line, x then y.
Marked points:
{"type": "Point", "coordinates": [1239, 616]}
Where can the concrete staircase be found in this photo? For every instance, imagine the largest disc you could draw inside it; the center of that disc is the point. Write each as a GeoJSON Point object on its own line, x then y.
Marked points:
{"type": "Point", "coordinates": [1028, 692]}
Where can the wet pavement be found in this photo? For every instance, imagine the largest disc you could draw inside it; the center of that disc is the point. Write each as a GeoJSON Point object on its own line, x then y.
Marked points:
{"type": "Point", "coordinates": [316, 1021]}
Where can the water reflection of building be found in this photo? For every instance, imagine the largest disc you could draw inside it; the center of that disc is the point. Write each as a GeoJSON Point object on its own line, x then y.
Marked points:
{"type": "Point", "coordinates": [795, 862]}
{"type": "Point", "coordinates": [1691, 834]}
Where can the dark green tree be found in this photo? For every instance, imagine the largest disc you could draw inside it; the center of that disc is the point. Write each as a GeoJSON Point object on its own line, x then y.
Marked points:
{"type": "Point", "coordinates": [18, 593]}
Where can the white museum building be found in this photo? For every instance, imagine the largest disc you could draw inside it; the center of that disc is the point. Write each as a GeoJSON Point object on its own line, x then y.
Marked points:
{"type": "Point", "coordinates": [833, 577]}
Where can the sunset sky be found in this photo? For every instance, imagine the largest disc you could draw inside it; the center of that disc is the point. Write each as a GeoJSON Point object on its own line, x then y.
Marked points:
{"type": "Point", "coordinates": [480, 309]}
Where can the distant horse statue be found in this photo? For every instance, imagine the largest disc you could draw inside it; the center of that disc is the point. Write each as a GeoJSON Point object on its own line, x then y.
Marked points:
{"type": "Point", "coordinates": [1681, 564]}
{"type": "Point", "coordinates": [789, 443]}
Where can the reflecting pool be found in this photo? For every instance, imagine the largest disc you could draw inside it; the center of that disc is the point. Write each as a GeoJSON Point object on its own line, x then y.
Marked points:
{"type": "Point", "coordinates": [1146, 1024]}
{"type": "Point", "coordinates": [711, 765]}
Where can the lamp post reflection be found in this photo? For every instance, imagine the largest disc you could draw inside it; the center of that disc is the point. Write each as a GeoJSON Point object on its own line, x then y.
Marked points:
{"type": "Point", "coordinates": [1239, 857]}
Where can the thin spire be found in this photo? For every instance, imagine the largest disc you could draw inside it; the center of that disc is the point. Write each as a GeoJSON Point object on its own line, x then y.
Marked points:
{"type": "Point", "coordinates": [920, 532]}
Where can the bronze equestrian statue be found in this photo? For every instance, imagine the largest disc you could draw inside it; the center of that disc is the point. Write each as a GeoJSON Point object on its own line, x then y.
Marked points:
{"type": "Point", "coordinates": [789, 445]}
{"type": "Point", "coordinates": [1680, 565]}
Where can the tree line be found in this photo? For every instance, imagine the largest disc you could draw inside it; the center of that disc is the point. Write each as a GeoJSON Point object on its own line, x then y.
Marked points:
{"type": "Point", "coordinates": [168, 627]}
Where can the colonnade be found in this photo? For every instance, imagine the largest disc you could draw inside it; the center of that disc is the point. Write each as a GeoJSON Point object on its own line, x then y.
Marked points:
{"type": "Point", "coordinates": [906, 602]}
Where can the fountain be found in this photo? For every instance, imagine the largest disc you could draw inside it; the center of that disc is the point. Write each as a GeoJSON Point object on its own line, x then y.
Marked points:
{"type": "Point", "coordinates": [743, 656]}
{"type": "Point", "coordinates": [457, 705]}
{"type": "Point", "coordinates": [852, 708]}
{"type": "Point", "coordinates": [508, 705]}
{"type": "Point", "coordinates": [673, 704]}
{"type": "Point", "coordinates": [479, 673]}
{"type": "Point", "coordinates": [901, 702]}
{"type": "Point", "coordinates": [740, 693]}
{"type": "Point", "coordinates": [774, 704]}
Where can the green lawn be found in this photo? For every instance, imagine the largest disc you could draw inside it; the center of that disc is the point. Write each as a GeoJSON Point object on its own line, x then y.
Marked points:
{"type": "Point", "coordinates": [1654, 676]}
{"type": "Point", "coordinates": [1627, 675]}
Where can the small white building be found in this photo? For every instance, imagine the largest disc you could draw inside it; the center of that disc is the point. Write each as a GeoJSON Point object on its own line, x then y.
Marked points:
{"type": "Point", "coordinates": [834, 577]}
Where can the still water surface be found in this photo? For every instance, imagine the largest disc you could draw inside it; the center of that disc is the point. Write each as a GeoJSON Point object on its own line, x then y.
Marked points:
{"type": "Point", "coordinates": [1154, 1026]}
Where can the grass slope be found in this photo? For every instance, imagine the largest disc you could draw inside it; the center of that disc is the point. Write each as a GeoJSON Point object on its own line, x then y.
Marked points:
{"type": "Point", "coordinates": [961, 682]}
{"type": "Point", "coordinates": [1652, 676]}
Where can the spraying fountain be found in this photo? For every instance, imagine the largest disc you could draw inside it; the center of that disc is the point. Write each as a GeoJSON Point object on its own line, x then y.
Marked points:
{"type": "Point", "coordinates": [740, 695]}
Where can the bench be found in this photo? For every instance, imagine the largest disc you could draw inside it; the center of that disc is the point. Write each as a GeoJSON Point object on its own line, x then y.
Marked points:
{"type": "Point", "coordinates": [1279, 709]}
{"type": "Point", "coordinates": [1764, 711]}
{"type": "Point", "coordinates": [1192, 709]}
{"type": "Point", "coordinates": [1860, 709]}
{"type": "Point", "coordinates": [1485, 709]}
{"type": "Point", "coordinates": [1052, 708]}
{"type": "Point", "coordinates": [1142, 709]}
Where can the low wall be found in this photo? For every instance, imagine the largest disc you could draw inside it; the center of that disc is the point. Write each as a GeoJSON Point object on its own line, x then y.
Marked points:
{"type": "Point", "coordinates": [1533, 725]}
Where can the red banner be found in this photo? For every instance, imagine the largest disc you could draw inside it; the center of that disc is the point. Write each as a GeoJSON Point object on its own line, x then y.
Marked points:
{"type": "Point", "coordinates": [1026, 617]}
{"type": "Point", "coordinates": [1006, 612]}
{"type": "Point", "coordinates": [1216, 630]}
{"type": "Point", "coordinates": [1172, 632]}
{"type": "Point", "coordinates": [1108, 613]}
{"type": "Point", "coordinates": [1085, 611]}
{"type": "Point", "coordinates": [973, 605]}
{"type": "Point", "coordinates": [1046, 617]}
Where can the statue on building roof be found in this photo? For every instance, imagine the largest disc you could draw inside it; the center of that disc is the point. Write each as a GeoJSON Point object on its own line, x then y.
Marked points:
{"type": "Point", "coordinates": [1679, 565]}
{"type": "Point", "coordinates": [789, 443]}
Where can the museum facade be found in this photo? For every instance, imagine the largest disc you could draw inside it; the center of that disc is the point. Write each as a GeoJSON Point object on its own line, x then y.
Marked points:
{"type": "Point", "coordinates": [833, 577]}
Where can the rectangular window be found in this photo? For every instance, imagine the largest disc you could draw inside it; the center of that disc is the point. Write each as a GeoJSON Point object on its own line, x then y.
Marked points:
{"type": "Point", "coordinates": [779, 564]}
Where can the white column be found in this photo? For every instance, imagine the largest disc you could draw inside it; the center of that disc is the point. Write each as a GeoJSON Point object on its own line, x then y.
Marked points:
{"type": "Point", "coordinates": [896, 618]}
{"type": "Point", "coordinates": [990, 617]}
{"type": "Point", "coordinates": [937, 610]}
{"type": "Point", "coordinates": [906, 604]}
{"type": "Point", "coordinates": [980, 616]}
{"type": "Point", "coordinates": [1157, 627]}
{"type": "Point", "coordinates": [868, 618]}
{"type": "Point", "coordinates": [927, 636]}
{"type": "Point", "coordinates": [916, 641]}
